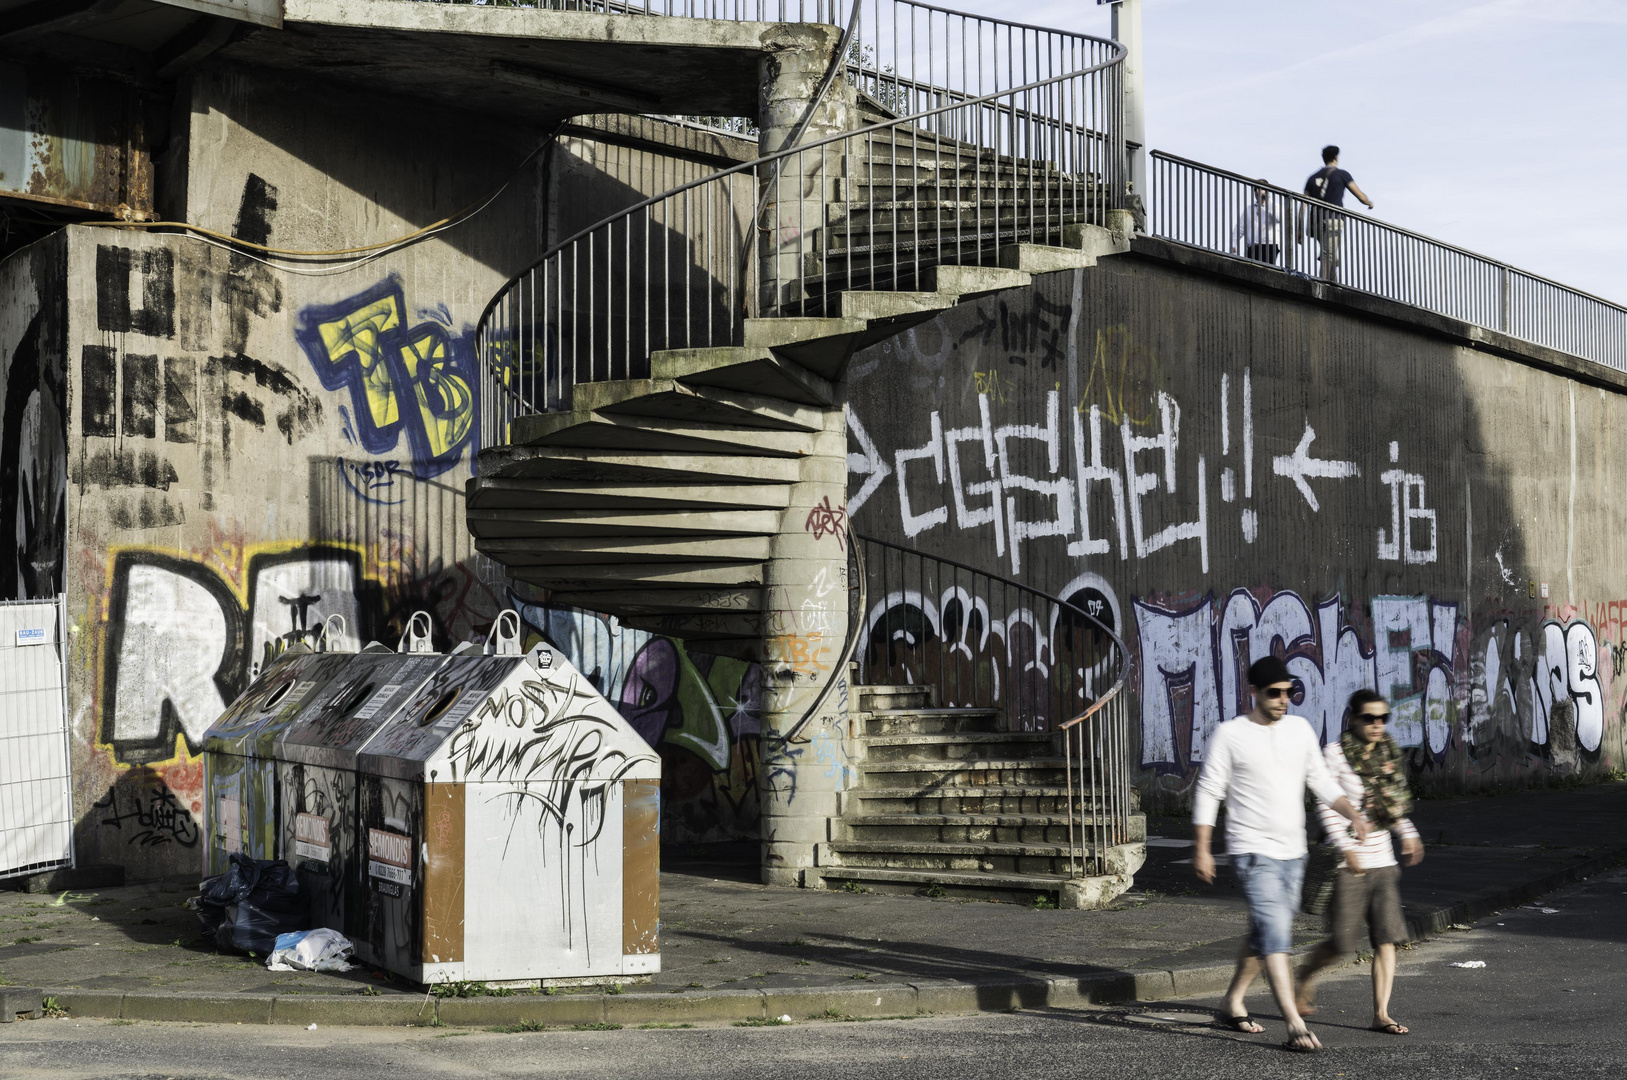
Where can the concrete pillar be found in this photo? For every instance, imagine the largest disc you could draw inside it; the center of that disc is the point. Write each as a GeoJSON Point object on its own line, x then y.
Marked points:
{"type": "Point", "coordinates": [805, 627]}
{"type": "Point", "coordinates": [795, 197]}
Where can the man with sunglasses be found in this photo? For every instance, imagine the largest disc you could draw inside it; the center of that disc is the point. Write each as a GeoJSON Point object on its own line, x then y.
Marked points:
{"type": "Point", "coordinates": [1260, 764]}
{"type": "Point", "coordinates": [1367, 765]}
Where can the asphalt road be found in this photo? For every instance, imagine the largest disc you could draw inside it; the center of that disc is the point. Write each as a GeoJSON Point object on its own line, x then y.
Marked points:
{"type": "Point", "coordinates": [1548, 1003]}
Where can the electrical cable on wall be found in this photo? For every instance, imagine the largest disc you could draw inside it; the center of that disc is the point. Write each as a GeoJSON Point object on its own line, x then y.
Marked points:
{"type": "Point", "coordinates": [368, 253]}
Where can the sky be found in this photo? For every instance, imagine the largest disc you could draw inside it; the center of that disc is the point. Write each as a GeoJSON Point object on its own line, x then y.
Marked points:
{"type": "Point", "coordinates": [1496, 125]}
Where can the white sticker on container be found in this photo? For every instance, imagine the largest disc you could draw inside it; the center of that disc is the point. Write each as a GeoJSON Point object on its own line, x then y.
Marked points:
{"type": "Point", "coordinates": [32, 635]}
{"type": "Point", "coordinates": [231, 825]}
{"type": "Point", "coordinates": [376, 702]}
{"type": "Point", "coordinates": [311, 837]}
{"type": "Point", "coordinates": [389, 856]}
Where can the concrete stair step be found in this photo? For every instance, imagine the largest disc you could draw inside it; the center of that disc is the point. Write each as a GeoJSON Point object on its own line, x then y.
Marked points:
{"type": "Point", "coordinates": [897, 309]}
{"type": "Point", "coordinates": [655, 602]}
{"type": "Point", "coordinates": [960, 828]}
{"type": "Point", "coordinates": [670, 399]}
{"type": "Point", "coordinates": [584, 523]}
{"type": "Point", "coordinates": [1020, 887]}
{"type": "Point", "coordinates": [752, 370]}
{"type": "Point", "coordinates": [873, 695]}
{"type": "Point", "coordinates": [954, 746]}
{"type": "Point", "coordinates": [821, 345]}
{"type": "Point", "coordinates": [622, 465]}
{"type": "Point", "coordinates": [925, 721]}
{"type": "Point", "coordinates": [1044, 258]}
{"type": "Point", "coordinates": [924, 775]}
{"type": "Point", "coordinates": [646, 576]}
{"type": "Point", "coordinates": [1018, 798]}
{"type": "Point", "coordinates": [504, 494]}
{"type": "Point", "coordinates": [599, 431]}
{"type": "Point", "coordinates": [969, 857]}
{"type": "Point", "coordinates": [528, 553]}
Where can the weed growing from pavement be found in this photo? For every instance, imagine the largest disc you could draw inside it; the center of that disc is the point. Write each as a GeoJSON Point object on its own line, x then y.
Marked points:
{"type": "Point", "coordinates": [52, 1008]}
{"type": "Point", "coordinates": [1042, 902]}
{"type": "Point", "coordinates": [613, 988]}
{"type": "Point", "coordinates": [595, 1027]}
{"type": "Point", "coordinates": [369, 991]}
{"type": "Point", "coordinates": [935, 891]}
{"type": "Point", "coordinates": [772, 1021]}
{"type": "Point", "coordinates": [462, 988]}
{"type": "Point", "coordinates": [27, 940]}
{"type": "Point", "coordinates": [515, 1029]}
{"type": "Point", "coordinates": [853, 887]}
{"type": "Point", "coordinates": [121, 1023]}
{"type": "Point", "coordinates": [452, 1034]}
{"type": "Point", "coordinates": [861, 975]}
{"type": "Point", "coordinates": [695, 986]}
{"type": "Point", "coordinates": [804, 963]}
{"type": "Point", "coordinates": [663, 1027]}
{"type": "Point", "coordinates": [718, 960]}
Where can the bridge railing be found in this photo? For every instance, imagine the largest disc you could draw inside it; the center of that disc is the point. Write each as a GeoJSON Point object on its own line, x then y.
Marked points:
{"type": "Point", "coordinates": [1010, 133]}
{"type": "Point", "coordinates": [984, 641]}
{"type": "Point", "coordinates": [1226, 212]}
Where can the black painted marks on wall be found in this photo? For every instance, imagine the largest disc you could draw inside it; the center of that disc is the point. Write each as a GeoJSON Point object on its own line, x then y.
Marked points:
{"type": "Point", "coordinates": [250, 290]}
{"type": "Point", "coordinates": [99, 377]}
{"type": "Point", "coordinates": [254, 211]}
{"type": "Point", "coordinates": [141, 395]}
{"type": "Point", "coordinates": [135, 291]}
{"type": "Point", "coordinates": [124, 468]}
{"type": "Point", "coordinates": [180, 392]}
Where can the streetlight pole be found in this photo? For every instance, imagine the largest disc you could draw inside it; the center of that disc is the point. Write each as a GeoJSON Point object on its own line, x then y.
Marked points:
{"type": "Point", "coordinates": [1127, 32]}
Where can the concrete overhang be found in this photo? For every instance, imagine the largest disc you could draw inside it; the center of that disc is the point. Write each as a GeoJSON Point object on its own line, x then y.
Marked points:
{"type": "Point", "coordinates": [533, 66]}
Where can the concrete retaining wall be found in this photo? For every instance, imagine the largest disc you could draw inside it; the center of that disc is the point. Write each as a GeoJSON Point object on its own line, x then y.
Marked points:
{"type": "Point", "coordinates": [1225, 469]}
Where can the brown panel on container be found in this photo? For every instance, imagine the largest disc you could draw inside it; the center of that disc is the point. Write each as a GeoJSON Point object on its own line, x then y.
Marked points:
{"type": "Point", "coordinates": [641, 866]}
{"type": "Point", "coordinates": [443, 873]}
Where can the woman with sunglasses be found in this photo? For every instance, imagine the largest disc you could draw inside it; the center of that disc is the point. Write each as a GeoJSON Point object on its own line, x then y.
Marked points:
{"type": "Point", "coordinates": [1367, 764]}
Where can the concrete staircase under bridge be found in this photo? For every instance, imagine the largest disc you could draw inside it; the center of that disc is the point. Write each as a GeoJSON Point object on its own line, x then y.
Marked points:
{"type": "Point", "coordinates": [691, 498]}
{"type": "Point", "coordinates": [947, 803]}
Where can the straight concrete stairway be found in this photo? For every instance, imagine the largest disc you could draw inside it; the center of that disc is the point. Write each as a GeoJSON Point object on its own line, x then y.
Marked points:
{"type": "Point", "coordinates": [947, 803]}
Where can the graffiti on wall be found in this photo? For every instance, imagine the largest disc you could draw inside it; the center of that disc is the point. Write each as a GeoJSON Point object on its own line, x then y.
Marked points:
{"type": "Point", "coordinates": [1104, 466]}
{"type": "Point", "coordinates": [702, 713]}
{"type": "Point", "coordinates": [33, 472]}
{"type": "Point", "coordinates": [1508, 685]}
{"type": "Point", "coordinates": [405, 379]}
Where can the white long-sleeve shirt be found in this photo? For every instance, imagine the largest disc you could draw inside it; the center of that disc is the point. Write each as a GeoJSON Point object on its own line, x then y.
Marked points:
{"type": "Point", "coordinates": [1261, 771]}
{"type": "Point", "coordinates": [1379, 850]}
{"type": "Point", "coordinates": [1256, 225]}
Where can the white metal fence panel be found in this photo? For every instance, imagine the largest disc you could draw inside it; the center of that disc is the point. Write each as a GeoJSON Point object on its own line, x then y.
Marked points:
{"type": "Point", "coordinates": [36, 799]}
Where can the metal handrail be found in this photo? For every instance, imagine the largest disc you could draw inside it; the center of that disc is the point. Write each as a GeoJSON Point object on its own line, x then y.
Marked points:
{"type": "Point", "coordinates": [667, 272]}
{"type": "Point", "coordinates": [1202, 206]}
{"type": "Point", "coordinates": [848, 647]}
{"type": "Point", "coordinates": [950, 597]}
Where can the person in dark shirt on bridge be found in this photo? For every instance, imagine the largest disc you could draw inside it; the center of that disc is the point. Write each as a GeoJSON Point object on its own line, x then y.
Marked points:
{"type": "Point", "coordinates": [1329, 184]}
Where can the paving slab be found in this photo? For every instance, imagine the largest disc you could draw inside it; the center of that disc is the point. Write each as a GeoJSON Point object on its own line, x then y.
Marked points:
{"type": "Point", "coordinates": [733, 949]}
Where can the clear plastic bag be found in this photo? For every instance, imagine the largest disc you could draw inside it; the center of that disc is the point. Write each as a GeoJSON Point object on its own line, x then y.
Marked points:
{"type": "Point", "coordinates": [311, 950]}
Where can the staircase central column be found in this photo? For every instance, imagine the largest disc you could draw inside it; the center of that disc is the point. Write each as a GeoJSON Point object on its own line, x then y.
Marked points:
{"type": "Point", "coordinates": [805, 608]}
{"type": "Point", "coordinates": [797, 193]}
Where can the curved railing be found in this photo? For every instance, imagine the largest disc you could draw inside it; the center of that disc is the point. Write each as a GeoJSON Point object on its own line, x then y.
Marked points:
{"type": "Point", "coordinates": [990, 133]}
{"type": "Point", "coordinates": [985, 641]}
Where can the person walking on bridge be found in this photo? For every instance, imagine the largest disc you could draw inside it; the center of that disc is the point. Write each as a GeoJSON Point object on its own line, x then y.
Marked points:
{"type": "Point", "coordinates": [1329, 184]}
{"type": "Point", "coordinates": [1367, 764]}
{"type": "Point", "coordinates": [1260, 764]}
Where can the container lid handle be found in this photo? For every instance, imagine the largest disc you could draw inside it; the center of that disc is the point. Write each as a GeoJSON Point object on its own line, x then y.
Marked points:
{"type": "Point", "coordinates": [504, 639]}
{"type": "Point", "coordinates": [419, 635]}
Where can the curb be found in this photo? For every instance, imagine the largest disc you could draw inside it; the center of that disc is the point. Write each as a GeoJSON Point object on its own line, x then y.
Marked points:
{"type": "Point", "coordinates": [713, 1006]}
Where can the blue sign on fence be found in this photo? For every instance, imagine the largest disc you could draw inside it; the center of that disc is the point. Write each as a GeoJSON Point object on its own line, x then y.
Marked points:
{"type": "Point", "coordinates": [33, 635]}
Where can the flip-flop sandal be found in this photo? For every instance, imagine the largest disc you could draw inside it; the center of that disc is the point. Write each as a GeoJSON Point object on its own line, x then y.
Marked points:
{"type": "Point", "coordinates": [1295, 1046]}
{"type": "Point", "coordinates": [1236, 1024]}
{"type": "Point", "coordinates": [1392, 1028]}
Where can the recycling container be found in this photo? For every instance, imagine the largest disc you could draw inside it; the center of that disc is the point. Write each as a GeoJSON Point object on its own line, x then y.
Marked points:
{"type": "Point", "coordinates": [511, 822]}
{"type": "Point", "coordinates": [240, 782]}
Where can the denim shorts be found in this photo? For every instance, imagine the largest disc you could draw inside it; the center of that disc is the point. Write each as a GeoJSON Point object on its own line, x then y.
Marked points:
{"type": "Point", "coordinates": [1271, 887]}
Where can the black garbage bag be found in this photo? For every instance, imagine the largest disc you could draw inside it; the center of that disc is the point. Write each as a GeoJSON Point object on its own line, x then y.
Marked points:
{"type": "Point", "coordinates": [245, 908]}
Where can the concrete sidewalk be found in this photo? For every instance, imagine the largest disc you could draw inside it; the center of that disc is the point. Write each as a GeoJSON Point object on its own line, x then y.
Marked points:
{"type": "Point", "coordinates": [735, 950]}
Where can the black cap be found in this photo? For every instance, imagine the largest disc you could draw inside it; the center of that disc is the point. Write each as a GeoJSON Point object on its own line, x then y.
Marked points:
{"type": "Point", "coordinates": [1270, 670]}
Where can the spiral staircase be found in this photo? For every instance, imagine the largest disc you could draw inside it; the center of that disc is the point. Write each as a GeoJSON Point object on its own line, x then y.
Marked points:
{"type": "Point", "coordinates": [645, 466]}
